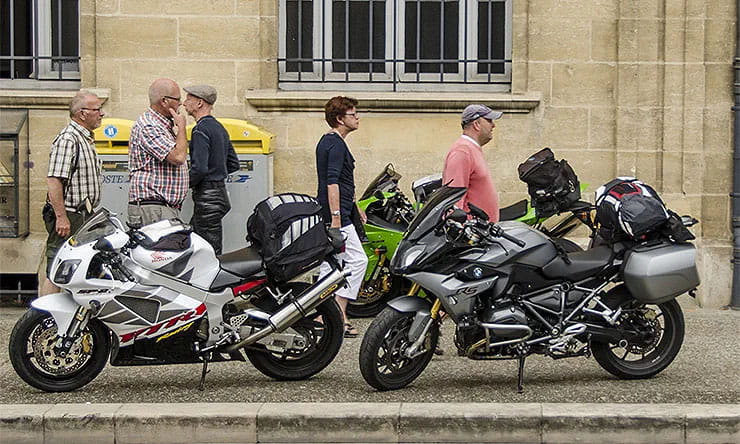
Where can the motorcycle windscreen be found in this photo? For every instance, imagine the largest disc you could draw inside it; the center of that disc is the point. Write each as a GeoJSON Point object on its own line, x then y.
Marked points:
{"type": "Point", "coordinates": [427, 219]}
{"type": "Point", "coordinates": [99, 225]}
{"type": "Point", "coordinates": [381, 181]}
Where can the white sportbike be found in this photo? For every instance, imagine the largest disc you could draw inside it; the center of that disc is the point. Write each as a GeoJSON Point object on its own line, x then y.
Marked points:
{"type": "Point", "coordinates": [159, 295]}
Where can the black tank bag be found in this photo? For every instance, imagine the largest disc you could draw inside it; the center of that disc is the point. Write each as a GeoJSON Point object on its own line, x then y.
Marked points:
{"type": "Point", "coordinates": [552, 184]}
{"type": "Point", "coordinates": [290, 234]}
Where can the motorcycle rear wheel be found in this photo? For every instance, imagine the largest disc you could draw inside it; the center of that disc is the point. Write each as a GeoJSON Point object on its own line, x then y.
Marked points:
{"type": "Point", "coordinates": [323, 329]}
{"type": "Point", "coordinates": [655, 352]}
{"type": "Point", "coordinates": [32, 353]}
{"type": "Point", "coordinates": [382, 362]}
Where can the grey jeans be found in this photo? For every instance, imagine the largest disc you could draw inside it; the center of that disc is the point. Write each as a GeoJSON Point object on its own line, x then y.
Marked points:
{"type": "Point", "coordinates": [140, 215]}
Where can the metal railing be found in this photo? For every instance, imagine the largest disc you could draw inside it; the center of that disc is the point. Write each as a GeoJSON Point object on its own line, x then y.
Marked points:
{"type": "Point", "coordinates": [41, 64]}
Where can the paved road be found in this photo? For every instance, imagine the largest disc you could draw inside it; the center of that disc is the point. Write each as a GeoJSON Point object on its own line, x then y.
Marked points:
{"type": "Point", "coordinates": [705, 371]}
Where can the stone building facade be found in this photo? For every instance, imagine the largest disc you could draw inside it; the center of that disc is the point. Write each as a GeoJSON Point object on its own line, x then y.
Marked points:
{"type": "Point", "coordinates": [617, 87]}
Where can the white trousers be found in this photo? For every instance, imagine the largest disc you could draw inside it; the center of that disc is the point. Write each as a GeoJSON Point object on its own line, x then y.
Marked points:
{"type": "Point", "coordinates": [353, 259]}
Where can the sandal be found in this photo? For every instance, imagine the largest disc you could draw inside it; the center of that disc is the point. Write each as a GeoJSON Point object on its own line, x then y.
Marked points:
{"type": "Point", "coordinates": [350, 331]}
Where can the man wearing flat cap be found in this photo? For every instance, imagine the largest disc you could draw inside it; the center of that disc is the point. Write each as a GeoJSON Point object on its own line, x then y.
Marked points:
{"type": "Point", "coordinates": [465, 165]}
{"type": "Point", "coordinates": [212, 159]}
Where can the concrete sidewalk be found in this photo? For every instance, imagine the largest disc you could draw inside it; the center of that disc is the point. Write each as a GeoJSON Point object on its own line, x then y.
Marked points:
{"type": "Point", "coordinates": [369, 422]}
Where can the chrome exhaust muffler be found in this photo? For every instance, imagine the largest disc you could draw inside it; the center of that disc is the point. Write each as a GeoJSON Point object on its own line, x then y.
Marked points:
{"type": "Point", "coordinates": [297, 309]}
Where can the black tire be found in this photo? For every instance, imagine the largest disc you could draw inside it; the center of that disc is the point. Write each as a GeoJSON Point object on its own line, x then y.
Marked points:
{"type": "Point", "coordinates": [381, 361]}
{"type": "Point", "coordinates": [368, 308]}
{"type": "Point", "coordinates": [568, 245]}
{"type": "Point", "coordinates": [664, 326]}
{"type": "Point", "coordinates": [324, 339]}
{"type": "Point", "coordinates": [35, 361]}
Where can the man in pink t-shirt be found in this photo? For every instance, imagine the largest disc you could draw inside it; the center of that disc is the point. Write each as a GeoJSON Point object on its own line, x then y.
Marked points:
{"type": "Point", "coordinates": [465, 165]}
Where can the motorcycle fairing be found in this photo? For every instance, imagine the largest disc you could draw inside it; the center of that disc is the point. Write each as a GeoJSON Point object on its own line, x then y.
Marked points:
{"type": "Point", "coordinates": [458, 297]}
{"type": "Point", "coordinates": [197, 254]}
{"type": "Point", "coordinates": [187, 296]}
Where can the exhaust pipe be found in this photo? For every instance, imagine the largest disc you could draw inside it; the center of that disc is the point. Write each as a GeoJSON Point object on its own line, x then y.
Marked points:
{"type": "Point", "coordinates": [297, 309]}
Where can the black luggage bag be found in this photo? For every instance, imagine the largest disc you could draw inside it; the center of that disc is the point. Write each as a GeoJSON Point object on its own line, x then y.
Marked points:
{"type": "Point", "coordinates": [552, 184]}
{"type": "Point", "coordinates": [628, 208]}
{"type": "Point", "coordinates": [290, 234]}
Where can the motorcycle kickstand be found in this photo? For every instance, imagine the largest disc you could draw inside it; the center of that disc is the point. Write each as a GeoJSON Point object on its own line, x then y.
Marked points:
{"type": "Point", "coordinates": [204, 372]}
{"type": "Point", "coordinates": [520, 377]}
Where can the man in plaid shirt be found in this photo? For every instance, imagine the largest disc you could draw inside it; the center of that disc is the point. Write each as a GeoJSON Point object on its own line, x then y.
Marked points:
{"type": "Point", "coordinates": [157, 158]}
{"type": "Point", "coordinates": [74, 178]}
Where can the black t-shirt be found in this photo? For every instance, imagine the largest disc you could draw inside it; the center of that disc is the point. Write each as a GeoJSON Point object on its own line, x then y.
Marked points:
{"type": "Point", "coordinates": [335, 165]}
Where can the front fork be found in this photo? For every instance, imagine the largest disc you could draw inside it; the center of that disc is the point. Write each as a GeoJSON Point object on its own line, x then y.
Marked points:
{"type": "Point", "coordinates": [420, 326]}
{"type": "Point", "coordinates": [79, 321]}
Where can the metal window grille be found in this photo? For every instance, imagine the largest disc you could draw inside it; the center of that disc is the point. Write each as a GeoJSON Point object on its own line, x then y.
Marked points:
{"type": "Point", "coordinates": [395, 44]}
{"type": "Point", "coordinates": [39, 40]}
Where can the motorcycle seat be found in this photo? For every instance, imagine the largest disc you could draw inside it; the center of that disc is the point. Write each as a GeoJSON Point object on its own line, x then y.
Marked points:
{"type": "Point", "coordinates": [243, 263]}
{"type": "Point", "coordinates": [582, 264]}
{"type": "Point", "coordinates": [513, 211]}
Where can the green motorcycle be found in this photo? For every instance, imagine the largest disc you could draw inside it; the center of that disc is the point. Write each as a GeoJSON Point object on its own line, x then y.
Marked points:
{"type": "Point", "coordinates": [389, 213]}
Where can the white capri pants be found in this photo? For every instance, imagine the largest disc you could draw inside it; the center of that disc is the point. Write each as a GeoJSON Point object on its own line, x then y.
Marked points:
{"type": "Point", "coordinates": [353, 259]}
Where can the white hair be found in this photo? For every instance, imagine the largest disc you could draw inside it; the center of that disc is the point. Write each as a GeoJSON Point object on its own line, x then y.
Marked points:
{"type": "Point", "coordinates": [78, 101]}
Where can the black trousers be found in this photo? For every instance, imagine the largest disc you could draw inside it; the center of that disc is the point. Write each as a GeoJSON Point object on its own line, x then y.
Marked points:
{"type": "Point", "coordinates": [211, 203]}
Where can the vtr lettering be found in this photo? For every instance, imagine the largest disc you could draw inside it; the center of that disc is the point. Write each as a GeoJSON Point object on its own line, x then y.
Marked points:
{"type": "Point", "coordinates": [188, 316]}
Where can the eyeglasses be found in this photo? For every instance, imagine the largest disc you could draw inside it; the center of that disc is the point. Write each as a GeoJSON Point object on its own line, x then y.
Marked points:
{"type": "Point", "coordinates": [356, 114]}
{"type": "Point", "coordinates": [172, 98]}
{"type": "Point", "coordinates": [93, 109]}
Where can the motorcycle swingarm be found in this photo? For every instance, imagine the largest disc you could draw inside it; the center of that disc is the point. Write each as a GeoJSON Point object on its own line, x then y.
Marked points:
{"type": "Point", "coordinates": [608, 334]}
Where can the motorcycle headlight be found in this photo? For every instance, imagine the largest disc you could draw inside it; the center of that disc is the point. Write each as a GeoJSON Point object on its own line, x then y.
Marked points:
{"type": "Point", "coordinates": [65, 271]}
{"type": "Point", "coordinates": [411, 255]}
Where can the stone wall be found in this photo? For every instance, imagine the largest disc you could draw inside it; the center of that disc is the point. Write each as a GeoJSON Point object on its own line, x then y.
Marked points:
{"type": "Point", "coordinates": [622, 87]}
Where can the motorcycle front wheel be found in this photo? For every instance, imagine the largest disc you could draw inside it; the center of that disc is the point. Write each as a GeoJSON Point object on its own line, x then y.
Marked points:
{"type": "Point", "coordinates": [323, 331]}
{"type": "Point", "coordinates": [371, 301]}
{"type": "Point", "coordinates": [383, 362]}
{"type": "Point", "coordinates": [36, 358]}
{"type": "Point", "coordinates": [661, 332]}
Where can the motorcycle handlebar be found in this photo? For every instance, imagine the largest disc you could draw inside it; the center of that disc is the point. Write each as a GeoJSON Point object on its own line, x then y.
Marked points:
{"type": "Point", "coordinates": [497, 231]}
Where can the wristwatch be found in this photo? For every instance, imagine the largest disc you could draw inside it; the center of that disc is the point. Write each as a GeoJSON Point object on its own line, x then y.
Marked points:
{"type": "Point", "coordinates": [336, 213]}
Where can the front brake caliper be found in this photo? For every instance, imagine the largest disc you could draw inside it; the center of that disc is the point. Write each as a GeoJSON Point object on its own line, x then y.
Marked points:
{"type": "Point", "coordinates": [86, 345]}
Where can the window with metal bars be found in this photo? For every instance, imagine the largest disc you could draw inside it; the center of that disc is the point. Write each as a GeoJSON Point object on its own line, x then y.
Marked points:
{"type": "Point", "coordinates": [395, 45]}
{"type": "Point", "coordinates": [39, 41]}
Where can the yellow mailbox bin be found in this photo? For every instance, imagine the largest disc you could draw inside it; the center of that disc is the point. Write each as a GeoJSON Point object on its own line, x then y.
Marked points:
{"type": "Point", "coordinates": [111, 143]}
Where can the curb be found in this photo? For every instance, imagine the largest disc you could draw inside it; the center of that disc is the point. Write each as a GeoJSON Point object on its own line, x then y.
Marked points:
{"type": "Point", "coordinates": [369, 422]}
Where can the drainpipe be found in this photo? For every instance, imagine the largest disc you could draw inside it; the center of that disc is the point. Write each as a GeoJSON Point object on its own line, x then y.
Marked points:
{"type": "Point", "coordinates": [735, 303]}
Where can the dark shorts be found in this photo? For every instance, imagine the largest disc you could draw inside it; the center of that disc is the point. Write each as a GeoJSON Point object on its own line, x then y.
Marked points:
{"type": "Point", "coordinates": [54, 242]}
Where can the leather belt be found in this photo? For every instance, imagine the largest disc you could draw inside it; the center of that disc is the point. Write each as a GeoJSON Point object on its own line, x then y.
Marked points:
{"type": "Point", "coordinates": [152, 202]}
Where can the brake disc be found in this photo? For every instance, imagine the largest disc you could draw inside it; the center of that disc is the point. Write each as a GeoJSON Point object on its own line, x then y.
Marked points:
{"type": "Point", "coordinates": [45, 351]}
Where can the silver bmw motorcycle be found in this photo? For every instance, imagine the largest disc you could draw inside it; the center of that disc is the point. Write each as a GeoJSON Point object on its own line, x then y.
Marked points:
{"type": "Point", "coordinates": [512, 293]}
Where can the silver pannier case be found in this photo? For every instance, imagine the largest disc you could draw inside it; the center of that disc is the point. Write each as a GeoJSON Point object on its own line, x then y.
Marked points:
{"type": "Point", "coordinates": [657, 273]}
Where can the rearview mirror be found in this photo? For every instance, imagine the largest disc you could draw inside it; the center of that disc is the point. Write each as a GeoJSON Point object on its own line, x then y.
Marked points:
{"type": "Point", "coordinates": [458, 215]}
